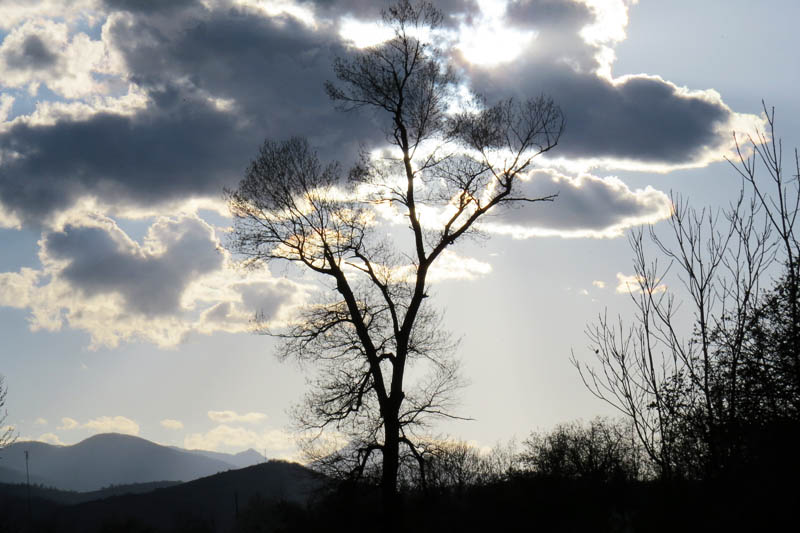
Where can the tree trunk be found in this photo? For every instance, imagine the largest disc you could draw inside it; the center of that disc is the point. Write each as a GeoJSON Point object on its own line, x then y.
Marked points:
{"type": "Point", "coordinates": [391, 463]}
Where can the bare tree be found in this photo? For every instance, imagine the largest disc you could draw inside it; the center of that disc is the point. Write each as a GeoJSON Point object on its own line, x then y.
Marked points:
{"type": "Point", "coordinates": [712, 353]}
{"type": "Point", "coordinates": [7, 435]}
{"type": "Point", "coordinates": [375, 322]}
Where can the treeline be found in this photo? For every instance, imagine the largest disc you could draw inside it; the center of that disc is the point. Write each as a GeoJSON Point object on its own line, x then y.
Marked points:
{"type": "Point", "coordinates": [580, 476]}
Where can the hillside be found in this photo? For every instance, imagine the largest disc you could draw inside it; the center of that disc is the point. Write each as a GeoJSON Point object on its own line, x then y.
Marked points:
{"type": "Point", "coordinates": [211, 501]}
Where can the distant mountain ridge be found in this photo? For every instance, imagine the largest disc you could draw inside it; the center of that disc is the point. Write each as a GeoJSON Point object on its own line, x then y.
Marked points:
{"type": "Point", "coordinates": [239, 460]}
{"type": "Point", "coordinates": [114, 459]}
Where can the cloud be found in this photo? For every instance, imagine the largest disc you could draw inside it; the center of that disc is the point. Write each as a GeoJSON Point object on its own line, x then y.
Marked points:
{"type": "Point", "coordinates": [169, 423]}
{"type": "Point", "coordinates": [173, 282]}
{"type": "Point", "coordinates": [586, 206]}
{"type": "Point", "coordinates": [151, 276]}
{"type": "Point", "coordinates": [68, 423]}
{"type": "Point", "coordinates": [632, 121]}
{"type": "Point", "coordinates": [152, 106]}
{"type": "Point", "coordinates": [232, 416]}
{"type": "Point", "coordinates": [149, 7]}
{"type": "Point", "coordinates": [278, 443]}
{"type": "Point", "coordinates": [454, 10]}
{"type": "Point", "coordinates": [448, 267]}
{"type": "Point", "coordinates": [102, 424]}
{"type": "Point", "coordinates": [173, 99]}
{"type": "Point", "coordinates": [33, 54]}
{"type": "Point", "coordinates": [113, 424]}
{"type": "Point", "coordinates": [631, 284]}
{"type": "Point", "coordinates": [215, 83]}
{"type": "Point", "coordinates": [45, 52]}
{"type": "Point", "coordinates": [17, 11]}
{"type": "Point", "coordinates": [599, 284]}
{"type": "Point", "coordinates": [40, 421]}
{"type": "Point", "coordinates": [50, 438]}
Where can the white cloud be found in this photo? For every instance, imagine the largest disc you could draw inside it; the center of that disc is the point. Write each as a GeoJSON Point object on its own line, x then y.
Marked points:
{"type": "Point", "coordinates": [631, 284]}
{"type": "Point", "coordinates": [8, 220]}
{"type": "Point", "coordinates": [449, 266]}
{"type": "Point", "coordinates": [278, 443]}
{"type": "Point", "coordinates": [16, 11]}
{"type": "Point", "coordinates": [113, 424]}
{"type": "Point", "coordinates": [607, 29]}
{"type": "Point", "coordinates": [6, 102]}
{"type": "Point", "coordinates": [68, 423]}
{"type": "Point", "coordinates": [232, 416]}
{"type": "Point", "coordinates": [587, 206]}
{"type": "Point", "coordinates": [175, 281]}
{"type": "Point", "coordinates": [40, 421]}
{"type": "Point", "coordinates": [599, 284]}
{"type": "Point", "coordinates": [50, 438]}
{"type": "Point", "coordinates": [170, 423]}
{"type": "Point", "coordinates": [42, 52]}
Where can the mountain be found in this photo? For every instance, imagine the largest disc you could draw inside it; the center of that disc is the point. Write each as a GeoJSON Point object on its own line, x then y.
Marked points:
{"type": "Point", "coordinates": [9, 475]}
{"type": "Point", "coordinates": [104, 460]}
{"type": "Point", "coordinates": [239, 460]}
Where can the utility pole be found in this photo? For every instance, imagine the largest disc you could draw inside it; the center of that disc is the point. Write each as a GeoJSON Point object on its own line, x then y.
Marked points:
{"type": "Point", "coordinates": [28, 477]}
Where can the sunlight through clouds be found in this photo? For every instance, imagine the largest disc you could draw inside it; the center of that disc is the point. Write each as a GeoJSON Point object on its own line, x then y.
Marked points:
{"type": "Point", "coordinates": [364, 34]}
{"type": "Point", "coordinates": [488, 40]}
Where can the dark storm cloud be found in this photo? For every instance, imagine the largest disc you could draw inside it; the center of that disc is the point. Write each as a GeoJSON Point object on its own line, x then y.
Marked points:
{"type": "Point", "coordinates": [587, 203]}
{"type": "Point", "coordinates": [548, 13]}
{"type": "Point", "coordinates": [641, 118]}
{"type": "Point", "coordinates": [102, 261]}
{"type": "Point", "coordinates": [267, 76]}
{"type": "Point", "coordinates": [33, 55]}
{"type": "Point", "coordinates": [221, 81]}
{"type": "Point", "coordinates": [148, 6]}
{"type": "Point", "coordinates": [169, 153]}
{"type": "Point", "coordinates": [454, 10]}
{"type": "Point", "coordinates": [272, 69]}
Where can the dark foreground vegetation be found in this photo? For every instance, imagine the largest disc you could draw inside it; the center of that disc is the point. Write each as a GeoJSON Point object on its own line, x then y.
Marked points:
{"type": "Point", "coordinates": [579, 477]}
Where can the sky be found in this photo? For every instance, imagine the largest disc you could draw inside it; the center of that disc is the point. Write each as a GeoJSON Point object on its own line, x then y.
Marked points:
{"type": "Point", "coordinates": [121, 121]}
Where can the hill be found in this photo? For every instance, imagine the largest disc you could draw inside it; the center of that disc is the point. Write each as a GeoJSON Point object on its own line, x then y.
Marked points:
{"type": "Point", "coordinates": [212, 502]}
{"type": "Point", "coordinates": [105, 460]}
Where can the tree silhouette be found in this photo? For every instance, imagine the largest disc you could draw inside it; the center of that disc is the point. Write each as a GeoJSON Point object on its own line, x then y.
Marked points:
{"type": "Point", "coordinates": [6, 432]}
{"type": "Point", "coordinates": [705, 377]}
{"type": "Point", "coordinates": [600, 450]}
{"type": "Point", "coordinates": [447, 170]}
